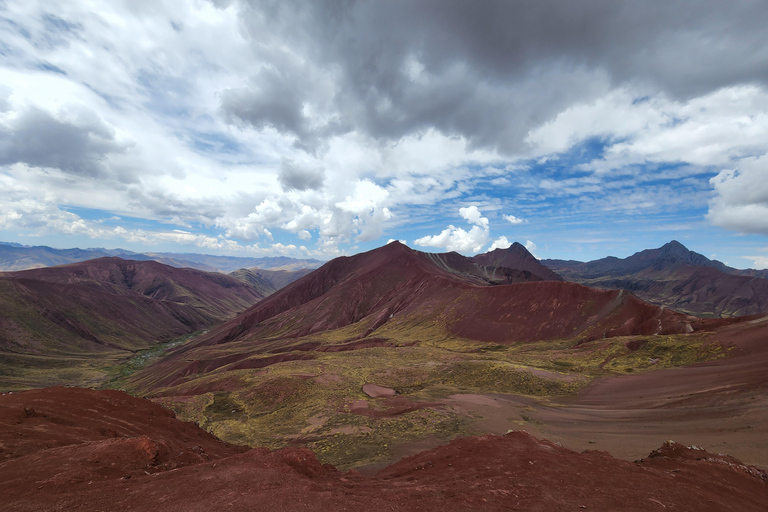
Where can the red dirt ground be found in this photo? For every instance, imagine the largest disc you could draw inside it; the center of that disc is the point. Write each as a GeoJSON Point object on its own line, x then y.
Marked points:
{"type": "Point", "coordinates": [721, 405]}
{"type": "Point", "coordinates": [83, 450]}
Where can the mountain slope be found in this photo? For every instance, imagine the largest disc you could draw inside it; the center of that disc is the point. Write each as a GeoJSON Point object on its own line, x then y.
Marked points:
{"type": "Point", "coordinates": [268, 281]}
{"type": "Point", "coordinates": [76, 449]}
{"type": "Point", "coordinates": [675, 277]}
{"type": "Point", "coordinates": [106, 306]}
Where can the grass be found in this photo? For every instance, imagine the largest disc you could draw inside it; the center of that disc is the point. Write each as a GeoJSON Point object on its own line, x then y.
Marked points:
{"type": "Point", "coordinates": [116, 375]}
{"type": "Point", "coordinates": [311, 402]}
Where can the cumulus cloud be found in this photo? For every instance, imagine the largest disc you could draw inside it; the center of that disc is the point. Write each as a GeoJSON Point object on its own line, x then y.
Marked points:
{"type": "Point", "coordinates": [459, 239]}
{"type": "Point", "coordinates": [339, 122]}
{"type": "Point", "coordinates": [513, 220]}
{"type": "Point", "coordinates": [531, 248]}
{"type": "Point", "coordinates": [500, 243]}
{"type": "Point", "coordinates": [368, 205]}
{"type": "Point", "coordinates": [741, 201]}
{"type": "Point", "coordinates": [399, 68]}
{"type": "Point", "coordinates": [759, 262]}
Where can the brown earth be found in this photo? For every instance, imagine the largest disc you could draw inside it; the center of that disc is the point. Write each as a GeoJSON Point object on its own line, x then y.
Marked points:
{"type": "Point", "coordinates": [721, 405]}
{"type": "Point", "coordinates": [82, 450]}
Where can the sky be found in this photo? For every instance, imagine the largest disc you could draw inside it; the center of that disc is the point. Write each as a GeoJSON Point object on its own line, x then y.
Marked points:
{"type": "Point", "coordinates": [324, 128]}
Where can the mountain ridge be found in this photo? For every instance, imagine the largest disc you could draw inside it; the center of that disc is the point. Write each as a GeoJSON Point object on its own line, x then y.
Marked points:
{"type": "Point", "coordinates": [676, 277]}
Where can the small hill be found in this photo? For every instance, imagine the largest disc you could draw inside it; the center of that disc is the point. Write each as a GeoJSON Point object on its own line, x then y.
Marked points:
{"type": "Point", "coordinates": [675, 277]}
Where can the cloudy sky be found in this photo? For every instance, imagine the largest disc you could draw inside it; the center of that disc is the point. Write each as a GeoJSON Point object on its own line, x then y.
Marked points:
{"type": "Point", "coordinates": [321, 128]}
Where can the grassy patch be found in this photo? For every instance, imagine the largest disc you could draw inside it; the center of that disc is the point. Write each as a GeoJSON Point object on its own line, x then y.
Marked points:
{"type": "Point", "coordinates": [116, 375]}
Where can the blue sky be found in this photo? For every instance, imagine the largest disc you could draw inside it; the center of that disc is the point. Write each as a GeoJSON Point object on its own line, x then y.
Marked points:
{"type": "Point", "coordinates": [249, 127]}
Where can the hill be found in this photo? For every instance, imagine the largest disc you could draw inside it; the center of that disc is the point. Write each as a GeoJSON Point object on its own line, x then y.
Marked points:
{"type": "Point", "coordinates": [85, 314]}
{"type": "Point", "coordinates": [675, 277]}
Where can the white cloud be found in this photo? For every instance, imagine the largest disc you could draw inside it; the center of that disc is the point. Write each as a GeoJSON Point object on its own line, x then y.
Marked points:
{"type": "Point", "coordinates": [458, 239]}
{"type": "Point", "coordinates": [513, 220]}
{"type": "Point", "coordinates": [500, 243]}
{"type": "Point", "coordinates": [759, 262]}
{"type": "Point", "coordinates": [531, 247]}
{"type": "Point", "coordinates": [741, 201]}
{"type": "Point", "coordinates": [473, 215]}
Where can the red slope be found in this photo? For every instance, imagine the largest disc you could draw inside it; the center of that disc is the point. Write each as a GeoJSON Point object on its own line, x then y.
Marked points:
{"type": "Point", "coordinates": [82, 450]}
{"type": "Point", "coordinates": [112, 302]}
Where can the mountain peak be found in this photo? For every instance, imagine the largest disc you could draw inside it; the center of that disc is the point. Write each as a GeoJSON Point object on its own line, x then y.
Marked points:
{"type": "Point", "coordinates": [675, 248]}
{"type": "Point", "coordinates": [516, 257]}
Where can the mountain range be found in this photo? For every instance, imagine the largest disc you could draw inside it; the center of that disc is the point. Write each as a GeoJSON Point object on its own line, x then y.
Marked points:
{"type": "Point", "coordinates": [15, 257]}
{"type": "Point", "coordinates": [394, 295]}
{"type": "Point", "coordinates": [675, 277]}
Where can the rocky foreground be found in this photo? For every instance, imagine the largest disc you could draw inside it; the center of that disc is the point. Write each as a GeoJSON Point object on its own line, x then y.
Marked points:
{"type": "Point", "coordinates": [78, 449]}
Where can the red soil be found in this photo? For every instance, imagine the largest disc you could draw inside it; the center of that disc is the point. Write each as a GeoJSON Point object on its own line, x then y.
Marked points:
{"type": "Point", "coordinates": [74, 449]}
{"type": "Point", "coordinates": [721, 405]}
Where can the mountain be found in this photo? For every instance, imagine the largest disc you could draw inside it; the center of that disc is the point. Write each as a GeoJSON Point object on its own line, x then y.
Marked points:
{"type": "Point", "coordinates": [675, 277]}
{"type": "Point", "coordinates": [395, 293]}
{"type": "Point", "coordinates": [77, 449]}
{"type": "Point", "coordinates": [517, 257]}
{"type": "Point", "coordinates": [227, 264]}
{"type": "Point", "coordinates": [75, 314]}
{"type": "Point", "coordinates": [15, 257]}
{"type": "Point", "coordinates": [268, 281]}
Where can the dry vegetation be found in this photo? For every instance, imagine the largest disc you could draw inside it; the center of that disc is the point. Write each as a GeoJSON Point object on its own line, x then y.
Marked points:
{"type": "Point", "coordinates": [319, 402]}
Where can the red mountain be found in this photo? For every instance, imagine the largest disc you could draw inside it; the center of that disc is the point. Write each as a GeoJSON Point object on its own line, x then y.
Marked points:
{"type": "Point", "coordinates": [518, 257]}
{"type": "Point", "coordinates": [383, 293]}
{"type": "Point", "coordinates": [106, 305]}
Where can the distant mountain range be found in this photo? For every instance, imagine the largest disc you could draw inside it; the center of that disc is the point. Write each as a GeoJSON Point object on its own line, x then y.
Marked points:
{"type": "Point", "coordinates": [15, 257]}
{"type": "Point", "coordinates": [675, 277]}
